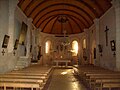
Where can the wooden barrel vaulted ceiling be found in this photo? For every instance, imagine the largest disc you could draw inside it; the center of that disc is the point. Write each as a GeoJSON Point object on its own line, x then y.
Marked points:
{"type": "Point", "coordinates": [56, 16]}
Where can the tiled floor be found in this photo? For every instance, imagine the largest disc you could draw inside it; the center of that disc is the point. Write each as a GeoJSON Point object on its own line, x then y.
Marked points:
{"type": "Point", "coordinates": [63, 79]}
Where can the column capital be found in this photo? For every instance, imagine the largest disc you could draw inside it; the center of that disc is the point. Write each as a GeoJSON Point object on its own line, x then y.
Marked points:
{"type": "Point", "coordinates": [13, 3]}
{"type": "Point", "coordinates": [86, 30]}
{"type": "Point", "coordinates": [116, 3]}
{"type": "Point", "coordinates": [96, 21]}
{"type": "Point", "coordinates": [29, 21]}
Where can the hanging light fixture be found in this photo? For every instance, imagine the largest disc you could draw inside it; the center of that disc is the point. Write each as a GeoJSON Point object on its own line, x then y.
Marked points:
{"type": "Point", "coordinates": [63, 20]}
{"type": "Point", "coordinates": [65, 41]}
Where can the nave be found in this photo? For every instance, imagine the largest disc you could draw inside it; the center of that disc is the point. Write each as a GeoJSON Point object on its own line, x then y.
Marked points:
{"type": "Point", "coordinates": [84, 77]}
{"type": "Point", "coordinates": [64, 79]}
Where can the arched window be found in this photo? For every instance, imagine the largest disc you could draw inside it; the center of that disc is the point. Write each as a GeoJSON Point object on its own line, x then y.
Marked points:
{"type": "Point", "coordinates": [47, 47]}
{"type": "Point", "coordinates": [74, 48]}
{"type": "Point", "coordinates": [84, 43]}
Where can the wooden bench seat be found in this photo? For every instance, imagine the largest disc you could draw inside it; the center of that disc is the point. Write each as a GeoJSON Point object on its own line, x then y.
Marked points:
{"type": "Point", "coordinates": [111, 85]}
{"type": "Point", "coordinates": [94, 77]}
{"type": "Point", "coordinates": [100, 82]}
{"type": "Point", "coordinates": [20, 85]}
{"type": "Point", "coordinates": [21, 80]}
{"type": "Point", "coordinates": [27, 74]}
{"type": "Point", "coordinates": [97, 77]}
{"type": "Point", "coordinates": [23, 77]}
{"type": "Point", "coordinates": [31, 77]}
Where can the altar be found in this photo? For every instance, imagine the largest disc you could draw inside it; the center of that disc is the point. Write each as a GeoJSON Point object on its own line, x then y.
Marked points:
{"type": "Point", "coordinates": [57, 62]}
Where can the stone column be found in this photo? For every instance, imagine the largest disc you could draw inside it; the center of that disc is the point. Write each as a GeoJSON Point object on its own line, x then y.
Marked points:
{"type": "Point", "coordinates": [96, 23]}
{"type": "Point", "coordinates": [11, 23]}
{"type": "Point", "coordinates": [34, 44]}
{"type": "Point", "coordinates": [116, 5]}
{"type": "Point", "coordinates": [87, 32]}
{"type": "Point", "coordinates": [29, 23]}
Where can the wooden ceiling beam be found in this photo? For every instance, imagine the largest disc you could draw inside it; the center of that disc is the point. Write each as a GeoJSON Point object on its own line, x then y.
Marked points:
{"type": "Point", "coordinates": [20, 3]}
{"type": "Point", "coordinates": [71, 27]}
{"type": "Point", "coordinates": [61, 4]}
{"type": "Point", "coordinates": [54, 24]}
{"type": "Point", "coordinates": [63, 10]}
{"type": "Point", "coordinates": [92, 9]}
{"type": "Point", "coordinates": [77, 24]}
{"type": "Point", "coordinates": [47, 23]}
{"type": "Point", "coordinates": [41, 2]}
{"type": "Point", "coordinates": [61, 14]}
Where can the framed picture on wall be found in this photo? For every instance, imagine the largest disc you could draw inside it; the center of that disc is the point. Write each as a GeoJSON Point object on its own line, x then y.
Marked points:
{"type": "Point", "coordinates": [113, 46]}
{"type": "Point", "coordinates": [5, 41]}
{"type": "Point", "coordinates": [100, 48]}
{"type": "Point", "coordinates": [16, 44]}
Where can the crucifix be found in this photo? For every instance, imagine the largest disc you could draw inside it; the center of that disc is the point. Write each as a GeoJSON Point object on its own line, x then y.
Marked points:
{"type": "Point", "coordinates": [106, 35]}
{"type": "Point", "coordinates": [3, 52]}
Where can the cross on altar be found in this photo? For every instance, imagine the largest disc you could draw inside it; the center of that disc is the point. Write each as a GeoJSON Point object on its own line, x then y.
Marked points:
{"type": "Point", "coordinates": [106, 35]}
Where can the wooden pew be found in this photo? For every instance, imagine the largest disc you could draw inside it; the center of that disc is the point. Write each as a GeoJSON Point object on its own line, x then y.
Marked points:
{"type": "Point", "coordinates": [20, 85]}
{"type": "Point", "coordinates": [99, 83]}
{"type": "Point", "coordinates": [93, 78]}
{"type": "Point", "coordinates": [111, 85]}
{"type": "Point", "coordinates": [96, 75]}
{"type": "Point", "coordinates": [27, 78]}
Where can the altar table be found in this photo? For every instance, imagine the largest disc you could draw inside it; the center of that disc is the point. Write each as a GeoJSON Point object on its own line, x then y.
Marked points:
{"type": "Point", "coordinates": [59, 61]}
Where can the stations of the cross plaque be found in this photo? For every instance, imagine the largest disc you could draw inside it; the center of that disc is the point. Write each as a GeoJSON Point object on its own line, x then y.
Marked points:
{"type": "Point", "coordinates": [106, 35]}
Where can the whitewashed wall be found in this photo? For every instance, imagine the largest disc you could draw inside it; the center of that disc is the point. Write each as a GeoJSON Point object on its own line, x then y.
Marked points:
{"type": "Point", "coordinates": [3, 30]}
{"type": "Point", "coordinates": [8, 60]}
{"type": "Point", "coordinates": [10, 24]}
{"type": "Point", "coordinates": [92, 44]}
{"type": "Point", "coordinates": [107, 60]}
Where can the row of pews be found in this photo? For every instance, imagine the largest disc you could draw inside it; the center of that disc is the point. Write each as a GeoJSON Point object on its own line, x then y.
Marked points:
{"type": "Point", "coordinates": [32, 78]}
{"type": "Point", "coordinates": [97, 78]}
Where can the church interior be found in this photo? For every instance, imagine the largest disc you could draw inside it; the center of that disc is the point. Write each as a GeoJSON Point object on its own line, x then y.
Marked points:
{"type": "Point", "coordinates": [60, 45]}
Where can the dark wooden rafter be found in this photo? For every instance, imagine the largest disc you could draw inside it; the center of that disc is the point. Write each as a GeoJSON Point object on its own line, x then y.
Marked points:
{"type": "Point", "coordinates": [76, 24]}
{"type": "Point", "coordinates": [87, 5]}
{"type": "Point", "coordinates": [109, 4]}
{"type": "Point", "coordinates": [47, 23]}
{"type": "Point", "coordinates": [61, 14]}
{"type": "Point", "coordinates": [95, 13]}
{"type": "Point", "coordinates": [36, 7]}
{"type": "Point", "coordinates": [61, 28]}
{"type": "Point", "coordinates": [30, 4]}
{"type": "Point", "coordinates": [71, 27]}
{"type": "Point", "coordinates": [81, 12]}
{"type": "Point", "coordinates": [54, 24]}
{"type": "Point", "coordinates": [98, 6]}
{"type": "Point", "coordinates": [51, 6]}
{"type": "Point", "coordinates": [63, 10]}
{"type": "Point", "coordinates": [20, 3]}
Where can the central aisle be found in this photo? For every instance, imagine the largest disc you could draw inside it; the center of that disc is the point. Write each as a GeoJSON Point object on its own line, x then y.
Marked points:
{"type": "Point", "coordinates": [63, 79]}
